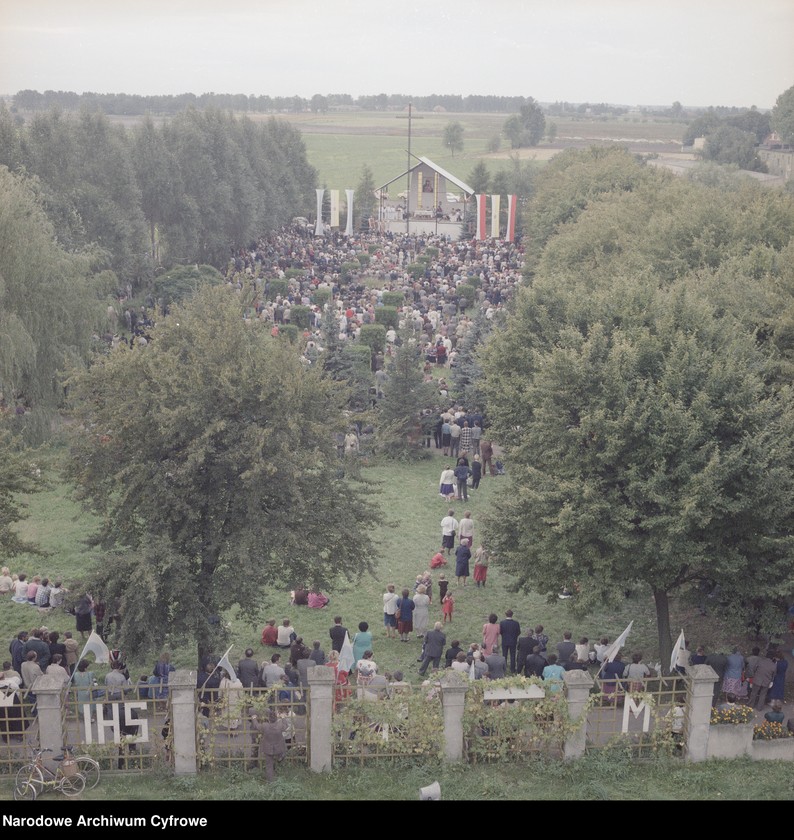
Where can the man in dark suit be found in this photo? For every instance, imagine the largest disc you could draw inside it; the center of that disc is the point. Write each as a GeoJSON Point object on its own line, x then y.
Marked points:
{"type": "Point", "coordinates": [535, 663]}
{"type": "Point", "coordinates": [497, 665]}
{"type": "Point", "coordinates": [337, 634]}
{"type": "Point", "coordinates": [272, 746]}
{"type": "Point", "coordinates": [248, 670]}
{"type": "Point", "coordinates": [510, 630]}
{"type": "Point", "coordinates": [525, 645]}
{"type": "Point", "coordinates": [434, 646]}
{"type": "Point", "coordinates": [565, 648]}
{"type": "Point", "coordinates": [452, 651]}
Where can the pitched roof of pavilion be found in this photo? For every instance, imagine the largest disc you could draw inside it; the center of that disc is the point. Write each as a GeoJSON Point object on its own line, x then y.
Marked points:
{"type": "Point", "coordinates": [461, 185]}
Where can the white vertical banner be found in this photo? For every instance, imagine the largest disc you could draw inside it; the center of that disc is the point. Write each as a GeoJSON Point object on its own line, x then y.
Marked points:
{"type": "Point", "coordinates": [496, 201]}
{"type": "Point", "coordinates": [480, 204]}
{"type": "Point", "coordinates": [318, 228]}
{"type": "Point", "coordinates": [335, 208]}
{"type": "Point", "coordinates": [349, 226]}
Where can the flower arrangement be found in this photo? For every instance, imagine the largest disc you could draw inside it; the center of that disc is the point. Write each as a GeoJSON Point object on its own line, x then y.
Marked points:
{"type": "Point", "coordinates": [737, 715]}
{"type": "Point", "coordinates": [770, 731]}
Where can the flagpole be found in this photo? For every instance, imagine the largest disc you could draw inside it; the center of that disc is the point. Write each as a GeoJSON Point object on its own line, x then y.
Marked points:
{"type": "Point", "coordinates": [221, 660]}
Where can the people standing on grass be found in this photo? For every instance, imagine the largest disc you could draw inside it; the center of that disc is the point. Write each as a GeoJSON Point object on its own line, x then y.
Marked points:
{"type": "Point", "coordinates": [405, 615]}
{"type": "Point", "coordinates": [462, 557]}
{"type": "Point", "coordinates": [449, 527]}
{"type": "Point", "coordinates": [390, 598]}
{"type": "Point", "coordinates": [481, 561]}
{"type": "Point", "coordinates": [446, 484]}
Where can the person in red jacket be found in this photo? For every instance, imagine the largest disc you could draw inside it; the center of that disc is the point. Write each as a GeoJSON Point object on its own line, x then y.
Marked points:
{"type": "Point", "coordinates": [270, 633]}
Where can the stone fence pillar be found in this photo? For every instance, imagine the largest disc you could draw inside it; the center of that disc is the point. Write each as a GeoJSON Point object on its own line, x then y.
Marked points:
{"type": "Point", "coordinates": [577, 692]}
{"type": "Point", "coordinates": [700, 693]}
{"type": "Point", "coordinates": [49, 694]}
{"type": "Point", "coordinates": [182, 690]}
{"type": "Point", "coordinates": [321, 710]}
{"type": "Point", "coordinates": [453, 701]}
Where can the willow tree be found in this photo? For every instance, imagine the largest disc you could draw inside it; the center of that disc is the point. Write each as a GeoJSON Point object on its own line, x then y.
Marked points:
{"type": "Point", "coordinates": [210, 456]}
{"type": "Point", "coordinates": [50, 304]}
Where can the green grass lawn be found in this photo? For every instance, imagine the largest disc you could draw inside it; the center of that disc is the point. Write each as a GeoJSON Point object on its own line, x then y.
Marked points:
{"type": "Point", "coordinates": [408, 494]}
{"type": "Point", "coordinates": [610, 776]}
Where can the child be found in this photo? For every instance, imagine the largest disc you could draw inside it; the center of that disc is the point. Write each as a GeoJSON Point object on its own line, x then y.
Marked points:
{"type": "Point", "coordinates": [447, 607]}
{"type": "Point", "coordinates": [71, 651]}
{"type": "Point", "coordinates": [438, 560]}
{"type": "Point", "coordinates": [443, 583]}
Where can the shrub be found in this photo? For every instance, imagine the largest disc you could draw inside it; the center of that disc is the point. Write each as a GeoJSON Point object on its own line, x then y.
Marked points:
{"type": "Point", "coordinates": [466, 295]}
{"type": "Point", "coordinates": [348, 268]}
{"type": "Point", "coordinates": [373, 336]}
{"type": "Point", "coordinates": [387, 315]}
{"type": "Point", "coordinates": [291, 273]}
{"type": "Point", "coordinates": [416, 270]}
{"type": "Point", "coordinates": [180, 283]}
{"type": "Point", "coordinates": [363, 260]}
{"type": "Point", "coordinates": [300, 316]}
{"type": "Point", "coordinates": [321, 297]}
{"type": "Point", "coordinates": [290, 331]}
{"type": "Point", "coordinates": [276, 288]}
{"type": "Point", "coordinates": [393, 299]}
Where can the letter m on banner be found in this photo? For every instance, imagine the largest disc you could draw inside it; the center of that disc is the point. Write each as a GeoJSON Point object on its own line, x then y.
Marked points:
{"type": "Point", "coordinates": [630, 707]}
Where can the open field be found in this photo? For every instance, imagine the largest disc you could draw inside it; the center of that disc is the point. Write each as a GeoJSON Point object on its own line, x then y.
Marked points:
{"type": "Point", "coordinates": [340, 143]}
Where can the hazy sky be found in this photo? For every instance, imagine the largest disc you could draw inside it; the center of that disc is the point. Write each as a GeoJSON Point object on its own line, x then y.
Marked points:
{"type": "Point", "coordinates": [700, 52]}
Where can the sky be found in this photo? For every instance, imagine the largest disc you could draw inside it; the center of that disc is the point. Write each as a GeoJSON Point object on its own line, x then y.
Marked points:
{"type": "Point", "coordinates": [628, 52]}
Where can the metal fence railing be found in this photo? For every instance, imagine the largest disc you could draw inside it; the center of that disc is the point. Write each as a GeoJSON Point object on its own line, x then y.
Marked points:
{"type": "Point", "coordinates": [642, 715]}
{"type": "Point", "coordinates": [387, 722]}
{"type": "Point", "coordinates": [123, 731]}
{"type": "Point", "coordinates": [226, 735]}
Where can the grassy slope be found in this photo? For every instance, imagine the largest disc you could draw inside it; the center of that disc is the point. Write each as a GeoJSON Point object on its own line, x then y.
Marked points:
{"type": "Point", "coordinates": [412, 506]}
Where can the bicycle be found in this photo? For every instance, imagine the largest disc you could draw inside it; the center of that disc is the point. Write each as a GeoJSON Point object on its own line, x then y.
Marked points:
{"type": "Point", "coordinates": [34, 778]}
{"type": "Point", "coordinates": [87, 766]}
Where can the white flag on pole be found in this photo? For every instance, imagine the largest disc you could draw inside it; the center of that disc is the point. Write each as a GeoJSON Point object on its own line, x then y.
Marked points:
{"type": "Point", "coordinates": [96, 646]}
{"type": "Point", "coordinates": [612, 651]}
{"type": "Point", "coordinates": [677, 648]}
{"type": "Point", "coordinates": [224, 663]}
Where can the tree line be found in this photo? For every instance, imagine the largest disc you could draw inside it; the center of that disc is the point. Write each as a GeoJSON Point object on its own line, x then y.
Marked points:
{"type": "Point", "coordinates": [169, 104]}
{"type": "Point", "coordinates": [191, 190]}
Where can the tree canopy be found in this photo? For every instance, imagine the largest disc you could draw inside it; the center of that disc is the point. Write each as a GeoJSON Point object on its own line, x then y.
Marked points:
{"type": "Point", "coordinates": [782, 119]}
{"type": "Point", "coordinates": [638, 390]}
{"type": "Point", "coordinates": [50, 303]}
{"type": "Point", "coordinates": [453, 137]}
{"type": "Point", "coordinates": [210, 456]}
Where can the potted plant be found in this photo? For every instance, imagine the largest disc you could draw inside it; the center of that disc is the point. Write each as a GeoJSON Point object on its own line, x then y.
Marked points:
{"type": "Point", "coordinates": [731, 732]}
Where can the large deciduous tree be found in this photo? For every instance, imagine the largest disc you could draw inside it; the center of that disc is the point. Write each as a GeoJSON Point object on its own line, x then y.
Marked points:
{"type": "Point", "coordinates": [210, 456]}
{"type": "Point", "coordinates": [782, 119]}
{"type": "Point", "coordinates": [644, 448]}
{"type": "Point", "coordinates": [453, 137]}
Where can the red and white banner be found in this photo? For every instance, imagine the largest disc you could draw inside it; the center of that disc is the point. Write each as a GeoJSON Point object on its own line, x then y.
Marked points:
{"type": "Point", "coordinates": [512, 202]}
{"type": "Point", "coordinates": [480, 199]}
{"type": "Point", "coordinates": [496, 203]}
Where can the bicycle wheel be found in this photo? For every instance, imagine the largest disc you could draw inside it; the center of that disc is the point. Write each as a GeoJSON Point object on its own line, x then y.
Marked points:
{"type": "Point", "coordinates": [72, 785]}
{"type": "Point", "coordinates": [31, 775]}
{"type": "Point", "coordinates": [25, 792]}
{"type": "Point", "coordinates": [89, 769]}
